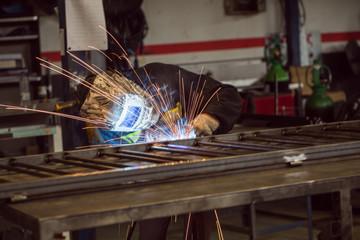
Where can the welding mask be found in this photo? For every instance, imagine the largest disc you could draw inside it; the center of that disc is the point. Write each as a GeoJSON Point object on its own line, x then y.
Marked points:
{"type": "Point", "coordinates": [119, 104]}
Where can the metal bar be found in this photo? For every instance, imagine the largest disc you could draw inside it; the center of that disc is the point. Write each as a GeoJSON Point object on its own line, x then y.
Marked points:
{"type": "Point", "coordinates": [320, 135]}
{"type": "Point", "coordinates": [94, 161]}
{"type": "Point", "coordinates": [20, 170]}
{"type": "Point", "coordinates": [167, 149]}
{"type": "Point", "coordinates": [69, 162]}
{"type": "Point", "coordinates": [198, 149]}
{"type": "Point", "coordinates": [143, 154]}
{"type": "Point", "coordinates": [42, 169]}
{"type": "Point", "coordinates": [129, 156]}
{"type": "Point", "coordinates": [266, 147]}
{"type": "Point", "coordinates": [230, 144]}
{"type": "Point", "coordinates": [315, 138]}
{"type": "Point", "coordinates": [341, 128]}
{"type": "Point", "coordinates": [268, 138]}
{"type": "Point", "coordinates": [253, 228]}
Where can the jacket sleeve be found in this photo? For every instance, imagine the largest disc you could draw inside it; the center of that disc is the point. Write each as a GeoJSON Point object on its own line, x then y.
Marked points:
{"type": "Point", "coordinates": [225, 105]}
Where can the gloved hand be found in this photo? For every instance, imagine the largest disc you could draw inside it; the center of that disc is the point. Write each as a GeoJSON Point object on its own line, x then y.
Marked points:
{"type": "Point", "coordinates": [205, 125]}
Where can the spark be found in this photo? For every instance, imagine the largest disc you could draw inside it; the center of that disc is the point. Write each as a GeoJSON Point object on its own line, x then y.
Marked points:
{"type": "Point", "coordinates": [187, 227]}
{"type": "Point", "coordinates": [218, 226]}
{"type": "Point", "coordinates": [10, 107]}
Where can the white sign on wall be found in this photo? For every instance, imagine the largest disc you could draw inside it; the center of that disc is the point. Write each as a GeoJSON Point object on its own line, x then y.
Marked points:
{"type": "Point", "coordinates": [83, 21]}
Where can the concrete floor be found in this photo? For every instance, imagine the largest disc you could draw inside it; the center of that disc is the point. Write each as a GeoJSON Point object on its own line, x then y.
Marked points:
{"type": "Point", "coordinates": [269, 216]}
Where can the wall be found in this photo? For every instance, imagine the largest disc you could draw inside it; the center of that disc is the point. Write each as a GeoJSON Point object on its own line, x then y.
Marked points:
{"type": "Point", "coordinates": [197, 31]}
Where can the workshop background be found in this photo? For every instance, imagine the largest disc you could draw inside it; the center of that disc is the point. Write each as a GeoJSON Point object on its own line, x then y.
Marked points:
{"type": "Point", "coordinates": [229, 43]}
{"type": "Point", "coordinates": [256, 45]}
{"type": "Point", "coordinates": [218, 38]}
{"type": "Point", "coordinates": [204, 36]}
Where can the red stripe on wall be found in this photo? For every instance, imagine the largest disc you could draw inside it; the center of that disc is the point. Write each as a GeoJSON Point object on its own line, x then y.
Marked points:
{"type": "Point", "coordinates": [227, 44]}
{"type": "Point", "coordinates": [339, 37]}
{"type": "Point", "coordinates": [204, 46]}
{"type": "Point", "coordinates": [52, 56]}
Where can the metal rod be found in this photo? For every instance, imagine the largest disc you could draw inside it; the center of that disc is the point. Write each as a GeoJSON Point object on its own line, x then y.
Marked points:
{"type": "Point", "coordinates": [145, 154]}
{"type": "Point", "coordinates": [197, 149]}
{"type": "Point", "coordinates": [42, 169]}
{"type": "Point", "coordinates": [266, 147]}
{"type": "Point", "coordinates": [315, 138]}
{"type": "Point", "coordinates": [267, 138]}
{"type": "Point", "coordinates": [320, 135]}
{"type": "Point", "coordinates": [69, 162]}
{"type": "Point", "coordinates": [231, 145]}
{"type": "Point", "coordinates": [94, 161]}
{"type": "Point", "coordinates": [167, 149]}
{"type": "Point", "coordinates": [341, 129]}
{"type": "Point", "coordinates": [138, 158]}
{"type": "Point", "coordinates": [21, 170]}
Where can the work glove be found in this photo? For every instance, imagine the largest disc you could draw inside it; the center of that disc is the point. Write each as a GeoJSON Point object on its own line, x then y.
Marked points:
{"type": "Point", "coordinates": [205, 125]}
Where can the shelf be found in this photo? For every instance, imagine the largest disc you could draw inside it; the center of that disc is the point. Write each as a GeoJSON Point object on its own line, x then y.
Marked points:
{"type": "Point", "coordinates": [19, 38]}
{"type": "Point", "coordinates": [16, 79]}
{"type": "Point", "coordinates": [19, 19]}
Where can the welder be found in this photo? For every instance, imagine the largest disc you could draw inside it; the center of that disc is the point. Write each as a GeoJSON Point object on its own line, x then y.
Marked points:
{"type": "Point", "coordinates": [135, 107]}
{"type": "Point", "coordinates": [129, 106]}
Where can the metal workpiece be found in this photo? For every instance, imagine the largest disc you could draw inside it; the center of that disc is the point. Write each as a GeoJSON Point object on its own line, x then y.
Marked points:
{"type": "Point", "coordinates": [62, 191]}
{"type": "Point", "coordinates": [98, 167]}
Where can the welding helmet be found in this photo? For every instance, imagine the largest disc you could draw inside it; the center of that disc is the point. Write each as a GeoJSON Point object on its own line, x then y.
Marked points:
{"type": "Point", "coordinates": [119, 104]}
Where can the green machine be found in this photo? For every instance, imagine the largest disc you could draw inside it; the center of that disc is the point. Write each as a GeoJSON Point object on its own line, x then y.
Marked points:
{"type": "Point", "coordinates": [276, 60]}
{"type": "Point", "coordinates": [319, 105]}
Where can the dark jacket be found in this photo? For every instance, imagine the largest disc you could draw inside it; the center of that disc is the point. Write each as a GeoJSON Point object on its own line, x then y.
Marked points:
{"type": "Point", "coordinates": [224, 106]}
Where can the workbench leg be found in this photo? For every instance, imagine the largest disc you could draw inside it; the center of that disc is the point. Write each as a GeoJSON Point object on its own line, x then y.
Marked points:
{"type": "Point", "coordinates": [346, 214]}
{"type": "Point", "coordinates": [253, 231]}
{"type": "Point", "coordinates": [309, 217]}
